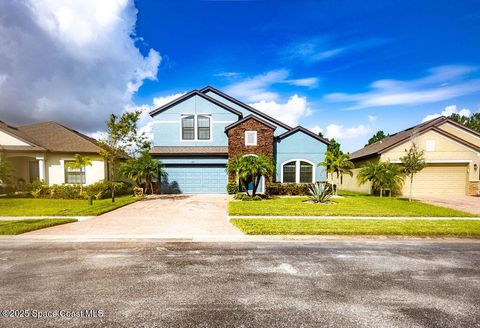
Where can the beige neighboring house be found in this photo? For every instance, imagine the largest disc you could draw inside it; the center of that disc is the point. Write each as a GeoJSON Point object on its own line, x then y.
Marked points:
{"type": "Point", "coordinates": [452, 154]}
{"type": "Point", "coordinates": [40, 151]}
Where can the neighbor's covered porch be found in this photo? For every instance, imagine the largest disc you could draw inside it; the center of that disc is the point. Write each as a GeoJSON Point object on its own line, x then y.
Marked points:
{"type": "Point", "coordinates": [27, 166]}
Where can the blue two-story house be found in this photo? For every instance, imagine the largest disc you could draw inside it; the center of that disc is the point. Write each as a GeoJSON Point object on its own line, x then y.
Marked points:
{"type": "Point", "coordinates": [196, 135]}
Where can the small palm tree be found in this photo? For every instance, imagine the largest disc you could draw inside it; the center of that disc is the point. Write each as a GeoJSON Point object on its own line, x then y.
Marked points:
{"type": "Point", "coordinates": [80, 163]}
{"type": "Point", "coordinates": [382, 175]}
{"type": "Point", "coordinates": [251, 167]}
{"type": "Point", "coordinates": [337, 165]}
{"type": "Point", "coordinates": [143, 169]}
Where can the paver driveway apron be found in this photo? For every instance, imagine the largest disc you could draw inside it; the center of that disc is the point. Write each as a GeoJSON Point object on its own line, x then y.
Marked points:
{"type": "Point", "coordinates": [165, 216]}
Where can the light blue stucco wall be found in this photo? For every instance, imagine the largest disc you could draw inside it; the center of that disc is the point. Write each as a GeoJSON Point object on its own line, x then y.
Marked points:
{"type": "Point", "coordinates": [193, 160]}
{"type": "Point", "coordinates": [300, 146]}
{"type": "Point", "coordinates": [167, 126]}
{"type": "Point", "coordinates": [278, 131]}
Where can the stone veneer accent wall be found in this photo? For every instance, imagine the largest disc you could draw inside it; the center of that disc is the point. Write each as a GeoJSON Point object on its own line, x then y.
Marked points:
{"type": "Point", "coordinates": [474, 188]}
{"type": "Point", "coordinates": [236, 140]}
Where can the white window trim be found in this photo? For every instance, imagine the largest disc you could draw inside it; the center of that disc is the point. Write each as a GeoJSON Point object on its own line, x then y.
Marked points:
{"type": "Point", "coordinates": [255, 135]}
{"type": "Point", "coordinates": [297, 169]}
{"type": "Point", "coordinates": [62, 164]}
{"type": "Point", "coordinates": [195, 126]}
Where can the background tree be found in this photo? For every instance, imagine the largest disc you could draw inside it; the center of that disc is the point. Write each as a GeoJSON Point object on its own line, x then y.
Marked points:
{"type": "Point", "coordinates": [377, 137]}
{"type": "Point", "coordinates": [79, 164]}
{"type": "Point", "coordinates": [121, 141]}
{"type": "Point", "coordinates": [472, 121]}
{"type": "Point", "coordinates": [413, 162]}
{"type": "Point", "coordinates": [6, 171]}
{"type": "Point", "coordinates": [251, 168]}
{"type": "Point", "coordinates": [143, 169]}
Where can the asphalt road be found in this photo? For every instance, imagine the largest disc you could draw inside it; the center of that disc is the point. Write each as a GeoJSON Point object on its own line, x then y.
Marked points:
{"type": "Point", "coordinates": [330, 284]}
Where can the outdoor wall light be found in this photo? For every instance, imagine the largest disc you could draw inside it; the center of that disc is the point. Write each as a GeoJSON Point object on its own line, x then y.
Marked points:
{"type": "Point", "coordinates": [475, 166]}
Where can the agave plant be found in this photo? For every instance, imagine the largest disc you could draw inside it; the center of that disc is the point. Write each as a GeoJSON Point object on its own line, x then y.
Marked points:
{"type": "Point", "coordinates": [320, 192]}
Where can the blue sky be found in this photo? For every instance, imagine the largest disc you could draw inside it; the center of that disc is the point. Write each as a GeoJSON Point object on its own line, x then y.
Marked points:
{"type": "Point", "coordinates": [338, 48]}
{"type": "Point", "coordinates": [347, 69]}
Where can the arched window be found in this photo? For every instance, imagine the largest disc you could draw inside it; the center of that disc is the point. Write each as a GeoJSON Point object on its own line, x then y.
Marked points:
{"type": "Point", "coordinates": [298, 171]}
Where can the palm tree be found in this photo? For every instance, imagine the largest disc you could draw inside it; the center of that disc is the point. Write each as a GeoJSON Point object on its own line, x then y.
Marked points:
{"type": "Point", "coordinates": [337, 164]}
{"type": "Point", "coordinates": [144, 168]}
{"type": "Point", "coordinates": [251, 167]}
{"type": "Point", "coordinates": [79, 164]}
{"type": "Point", "coordinates": [382, 175]}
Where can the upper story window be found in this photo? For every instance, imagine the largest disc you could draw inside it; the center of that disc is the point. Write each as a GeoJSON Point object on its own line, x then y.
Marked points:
{"type": "Point", "coordinates": [250, 138]}
{"type": "Point", "coordinates": [430, 146]}
{"type": "Point", "coordinates": [203, 127]}
{"type": "Point", "coordinates": [74, 175]}
{"type": "Point", "coordinates": [196, 127]}
{"type": "Point", "coordinates": [188, 127]}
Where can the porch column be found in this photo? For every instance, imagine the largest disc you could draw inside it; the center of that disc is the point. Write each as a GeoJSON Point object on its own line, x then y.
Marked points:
{"type": "Point", "coordinates": [41, 168]}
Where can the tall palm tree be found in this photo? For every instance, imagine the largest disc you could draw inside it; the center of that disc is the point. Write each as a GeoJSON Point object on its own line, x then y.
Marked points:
{"type": "Point", "coordinates": [80, 163]}
{"type": "Point", "coordinates": [143, 169]}
{"type": "Point", "coordinates": [253, 168]}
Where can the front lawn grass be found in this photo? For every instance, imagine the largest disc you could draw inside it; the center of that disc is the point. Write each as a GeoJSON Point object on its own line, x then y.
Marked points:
{"type": "Point", "coordinates": [59, 207]}
{"type": "Point", "coordinates": [16, 227]}
{"type": "Point", "coordinates": [430, 228]}
{"type": "Point", "coordinates": [351, 204]}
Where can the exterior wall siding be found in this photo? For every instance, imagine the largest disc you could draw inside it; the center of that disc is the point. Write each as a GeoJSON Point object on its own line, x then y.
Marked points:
{"type": "Point", "coordinates": [167, 125]}
{"type": "Point", "coordinates": [55, 168]}
{"type": "Point", "coordinates": [300, 146]}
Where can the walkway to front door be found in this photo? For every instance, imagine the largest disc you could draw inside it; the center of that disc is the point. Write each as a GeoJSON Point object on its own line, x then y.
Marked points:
{"type": "Point", "coordinates": [165, 216]}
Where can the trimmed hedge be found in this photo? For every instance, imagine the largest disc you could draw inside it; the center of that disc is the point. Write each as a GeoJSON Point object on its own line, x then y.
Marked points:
{"type": "Point", "coordinates": [232, 188]}
{"type": "Point", "coordinates": [99, 190]}
{"type": "Point", "coordinates": [290, 189]}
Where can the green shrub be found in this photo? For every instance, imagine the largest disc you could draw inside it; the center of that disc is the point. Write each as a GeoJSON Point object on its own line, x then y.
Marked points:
{"type": "Point", "coordinates": [39, 189]}
{"type": "Point", "coordinates": [102, 189]}
{"type": "Point", "coordinates": [65, 191]}
{"type": "Point", "coordinates": [244, 197]}
{"type": "Point", "coordinates": [232, 188]}
{"type": "Point", "coordinates": [290, 189]}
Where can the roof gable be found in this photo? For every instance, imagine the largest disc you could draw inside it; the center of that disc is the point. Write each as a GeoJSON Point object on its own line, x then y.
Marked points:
{"type": "Point", "coordinates": [398, 138]}
{"type": "Point", "coordinates": [250, 117]}
{"type": "Point", "coordinates": [189, 95]}
{"type": "Point", "coordinates": [207, 89]}
{"type": "Point", "coordinates": [305, 131]}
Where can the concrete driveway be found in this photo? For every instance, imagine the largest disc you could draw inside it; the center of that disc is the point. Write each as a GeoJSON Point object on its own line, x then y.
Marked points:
{"type": "Point", "coordinates": [165, 216]}
{"type": "Point", "coordinates": [462, 203]}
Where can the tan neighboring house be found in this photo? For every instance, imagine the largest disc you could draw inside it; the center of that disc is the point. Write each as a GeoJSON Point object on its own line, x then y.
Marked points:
{"type": "Point", "coordinates": [452, 154]}
{"type": "Point", "coordinates": [40, 151]}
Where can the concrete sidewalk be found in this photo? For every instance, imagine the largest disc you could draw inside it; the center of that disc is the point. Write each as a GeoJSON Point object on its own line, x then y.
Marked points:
{"type": "Point", "coordinates": [345, 217]}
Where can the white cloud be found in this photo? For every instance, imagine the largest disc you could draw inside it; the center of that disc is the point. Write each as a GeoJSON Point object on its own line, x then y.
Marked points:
{"type": "Point", "coordinates": [160, 101]}
{"type": "Point", "coordinates": [290, 112]}
{"type": "Point", "coordinates": [316, 129]}
{"type": "Point", "coordinates": [70, 61]}
{"type": "Point", "coordinates": [428, 89]}
{"type": "Point", "coordinates": [449, 110]}
{"type": "Point", "coordinates": [228, 74]}
{"type": "Point", "coordinates": [372, 118]}
{"type": "Point", "coordinates": [340, 132]}
{"type": "Point", "coordinates": [255, 89]}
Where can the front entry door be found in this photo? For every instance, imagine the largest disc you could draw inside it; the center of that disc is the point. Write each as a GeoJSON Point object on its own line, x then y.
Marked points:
{"type": "Point", "coordinates": [249, 184]}
{"type": "Point", "coordinates": [33, 171]}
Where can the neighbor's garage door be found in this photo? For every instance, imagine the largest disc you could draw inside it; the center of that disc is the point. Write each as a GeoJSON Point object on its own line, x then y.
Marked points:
{"type": "Point", "coordinates": [195, 179]}
{"type": "Point", "coordinates": [439, 179]}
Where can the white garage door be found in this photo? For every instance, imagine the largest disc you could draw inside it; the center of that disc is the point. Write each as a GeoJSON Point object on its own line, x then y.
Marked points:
{"type": "Point", "coordinates": [438, 179]}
